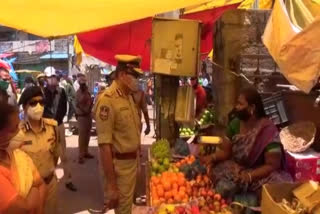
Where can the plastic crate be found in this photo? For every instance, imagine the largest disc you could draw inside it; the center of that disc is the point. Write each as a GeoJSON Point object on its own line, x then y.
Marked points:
{"type": "Point", "coordinates": [275, 109]}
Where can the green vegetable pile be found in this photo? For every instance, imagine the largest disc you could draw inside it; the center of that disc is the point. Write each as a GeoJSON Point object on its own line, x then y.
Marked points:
{"type": "Point", "coordinates": [193, 170]}
{"type": "Point", "coordinates": [160, 149]}
{"type": "Point", "coordinates": [207, 117]}
{"type": "Point", "coordinates": [159, 166]}
{"type": "Point", "coordinates": [186, 132]}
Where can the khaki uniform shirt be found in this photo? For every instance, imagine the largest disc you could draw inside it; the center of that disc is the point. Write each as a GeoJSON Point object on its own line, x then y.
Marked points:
{"type": "Point", "coordinates": [42, 146]}
{"type": "Point", "coordinates": [117, 120]}
{"type": "Point", "coordinates": [83, 103]}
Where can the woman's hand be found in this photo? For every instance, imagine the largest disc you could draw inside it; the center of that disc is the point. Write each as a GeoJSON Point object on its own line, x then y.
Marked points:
{"type": "Point", "coordinates": [207, 160]}
{"type": "Point", "coordinates": [245, 177]}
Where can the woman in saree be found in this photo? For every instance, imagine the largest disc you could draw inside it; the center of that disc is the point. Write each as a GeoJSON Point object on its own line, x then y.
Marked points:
{"type": "Point", "coordinates": [251, 153]}
{"type": "Point", "coordinates": [22, 189]}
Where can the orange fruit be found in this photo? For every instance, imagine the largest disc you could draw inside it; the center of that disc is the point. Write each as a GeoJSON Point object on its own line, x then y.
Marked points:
{"type": "Point", "coordinates": [170, 201]}
{"type": "Point", "coordinates": [154, 196]}
{"type": "Point", "coordinates": [166, 186]}
{"type": "Point", "coordinates": [177, 198]}
{"type": "Point", "coordinates": [181, 181]}
{"type": "Point", "coordinates": [189, 162]}
{"type": "Point", "coordinates": [155, 202]}
{"type": "Point", "coordinates": [182, 194]}
{"type": "Point", "coordinates": [174, 192]}
{"type": "Point", "coordinates": [168, 195]}
{"type": "Point", "coordinates": [174, 178]}
{"type": "Point", "coordinates": [162, 200]}
{"type": "Point", "coordinates": [175, 186]}
{"type": "Point", "coordinates": [183, 189]}
{"type": "Point", "coordinates": [178, 165]}
{"type": "Point", "coordinates": [185, 200]}
{"type": "Point", "coordinates": [160, 191]}
{"type": "Point", "coordinates": [189, 190]}
{"type": "Point", "coordinates": [154, 192]}
{"type": "Point", "coordinates": [159, 186]}
{"type": "Point", "coordinates": [180, 174]}
{"type": "Point", "coordinates": [165, 174]}
{"type": "Point", "coordinates": [155, 180]}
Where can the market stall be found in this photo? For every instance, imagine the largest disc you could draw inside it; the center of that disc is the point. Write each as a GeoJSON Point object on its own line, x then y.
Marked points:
{"type": "Point", "coordinates": [178, 179]}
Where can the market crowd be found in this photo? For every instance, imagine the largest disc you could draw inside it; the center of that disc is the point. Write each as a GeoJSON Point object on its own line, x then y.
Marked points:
{"type": "Point", "coordinates": [32, 139]}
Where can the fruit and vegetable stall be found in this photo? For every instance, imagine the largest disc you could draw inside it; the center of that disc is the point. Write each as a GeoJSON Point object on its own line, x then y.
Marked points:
{"type": "Point", "coordinates": [180, 184]}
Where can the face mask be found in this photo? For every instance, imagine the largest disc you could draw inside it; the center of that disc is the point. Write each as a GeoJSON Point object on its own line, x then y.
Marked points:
{"type": "Point", "coordinates": [52, 82]}
{"type": "Point", "coordinates": [83, 86]}
{"type": "Point", "coordinates": [4, 85]}
{"type": "Point", "coordinates": [36, 112]}
{"type": "Point", "coordinates": [133, 84]}
{"type": "Point", "coordinates": [243, 114]}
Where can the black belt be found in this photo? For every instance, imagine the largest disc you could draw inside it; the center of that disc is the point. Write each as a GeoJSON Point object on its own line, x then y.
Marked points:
{"type": "Point", "coordinates": [83, 115]}
{"type": "Point", "coordinates": [126, 156]}
{"type": "Point", "coordinates": [49, 178]}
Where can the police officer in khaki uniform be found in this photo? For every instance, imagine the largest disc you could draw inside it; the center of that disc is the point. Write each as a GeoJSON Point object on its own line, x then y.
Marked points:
{"type": "Point", "coordinates": [38, 138]}
{"type": "Point", "coordinates": [118, 128]}
{"type": "Point", "coordinates": [83, 113]}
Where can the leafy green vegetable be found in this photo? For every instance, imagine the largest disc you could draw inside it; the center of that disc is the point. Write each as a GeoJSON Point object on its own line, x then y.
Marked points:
{"type": "Point", "coordinates": [160, 149]}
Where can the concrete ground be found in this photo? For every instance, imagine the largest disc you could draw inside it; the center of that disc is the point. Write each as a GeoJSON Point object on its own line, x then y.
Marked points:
{"type": "Point", "coordinates": [86, 177]}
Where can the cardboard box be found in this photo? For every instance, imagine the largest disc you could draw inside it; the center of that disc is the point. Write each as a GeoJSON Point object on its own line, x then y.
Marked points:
{"type": "Point", "coordinates": [304, 166]}
{"type": "Point", "coordinates": [272, 195]}
{"type": "Point", "coordinates": [308, 194]}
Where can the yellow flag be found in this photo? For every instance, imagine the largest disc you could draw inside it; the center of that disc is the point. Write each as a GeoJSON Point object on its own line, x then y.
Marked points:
{"type": "Point", "coordinates": [78, 50]}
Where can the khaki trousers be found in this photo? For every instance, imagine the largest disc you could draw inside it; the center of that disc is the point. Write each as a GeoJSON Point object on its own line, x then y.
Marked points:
{"type": "Point", "coordinates": [126, 172]}
{"type": "Point", "coordinates": [84, 126]}
{"type": "Point", "coordinates": [63, 153]}
{"type": "Point", "coordinates": [103, 181]}
{"type": "Point", "coordinates": [126, 175]}
{"type": "Point", "coordinates": [51, 201]}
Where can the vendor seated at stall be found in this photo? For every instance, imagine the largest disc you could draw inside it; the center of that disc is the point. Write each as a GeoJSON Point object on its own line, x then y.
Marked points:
{"type": "Point", "coordinates": [251, 153]}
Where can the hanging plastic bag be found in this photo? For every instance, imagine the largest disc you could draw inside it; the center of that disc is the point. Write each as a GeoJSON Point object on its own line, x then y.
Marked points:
{"type": "Point", "coordinates": [292, 39]}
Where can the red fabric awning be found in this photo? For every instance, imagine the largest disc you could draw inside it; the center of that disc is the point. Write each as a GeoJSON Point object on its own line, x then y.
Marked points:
{"type": "Point", "coordinates": [208, 18]}
{"type": "Point", "coordinates": [135, 37]}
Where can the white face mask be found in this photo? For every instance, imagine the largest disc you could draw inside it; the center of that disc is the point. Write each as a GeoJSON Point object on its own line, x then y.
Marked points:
{"type": "Point", "coordinates": [36, 112]}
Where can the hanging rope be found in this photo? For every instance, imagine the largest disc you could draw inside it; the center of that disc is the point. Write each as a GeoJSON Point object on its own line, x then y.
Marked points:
{"type": "Point", "coordinates": [233, 73]}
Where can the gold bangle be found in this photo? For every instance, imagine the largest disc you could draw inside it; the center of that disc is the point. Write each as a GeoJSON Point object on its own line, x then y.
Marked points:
{"type": "Point", "coordinates": [250, 177]}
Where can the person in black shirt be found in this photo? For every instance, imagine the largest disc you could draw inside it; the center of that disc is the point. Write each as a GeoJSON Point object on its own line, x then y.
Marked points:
{"type": "Point", "coordinates": [56, 108]}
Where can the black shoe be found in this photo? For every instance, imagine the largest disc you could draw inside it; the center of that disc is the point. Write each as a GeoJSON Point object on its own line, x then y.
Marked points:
{"type": "Point", "coordinates": [71, 187]}
{"type": "Point", "coordinates": [81, 161]}
{"type": "Point", "coordinates": [88, 156]}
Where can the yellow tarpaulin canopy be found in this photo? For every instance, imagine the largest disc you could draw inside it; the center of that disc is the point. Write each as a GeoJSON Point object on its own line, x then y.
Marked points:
{"type": "Point", "coordinates": [244, 4]}
{"type": "Point", "coordinates": [52, 18]}
{"type": "Point", "coordinates": [210, 4]}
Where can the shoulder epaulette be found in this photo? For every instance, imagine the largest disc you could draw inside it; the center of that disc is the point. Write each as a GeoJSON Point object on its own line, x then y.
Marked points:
{"type": "Point", "coordinates": [50, 122]}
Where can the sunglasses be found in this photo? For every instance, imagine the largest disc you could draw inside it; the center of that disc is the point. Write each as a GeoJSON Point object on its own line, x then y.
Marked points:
{"type": "Point", "coordinates": [33, 103]}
